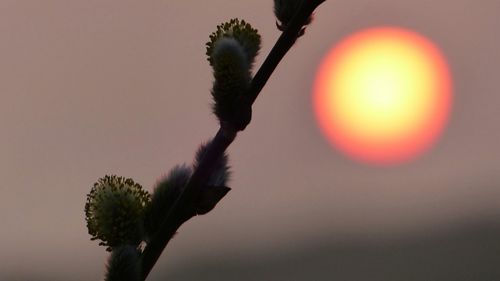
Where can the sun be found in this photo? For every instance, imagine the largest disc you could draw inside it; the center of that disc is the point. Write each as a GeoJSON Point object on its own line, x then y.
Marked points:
{"type": "Point", "coordinates": [383, 95]}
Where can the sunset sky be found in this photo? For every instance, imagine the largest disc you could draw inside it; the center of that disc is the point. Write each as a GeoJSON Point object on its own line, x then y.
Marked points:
{"type": "Point", "coordinates": [122, 87]}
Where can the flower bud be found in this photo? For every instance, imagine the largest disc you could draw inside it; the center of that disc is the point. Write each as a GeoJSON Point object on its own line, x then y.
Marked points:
{"type": "Point", "coordinates": [124, 264]}
{"type": "Point", "coordinates": [114, 211]}
{"type": "Point", "coordinates": [165, 194]}
{"type": "Point", "coordinates": [231, 52]}
{"type": "Point", "coordinates": [215, 188]}
{"type": "Point", "coordinates": [221, 173]}
{"type": "Point", "coordinates": [285, 10]}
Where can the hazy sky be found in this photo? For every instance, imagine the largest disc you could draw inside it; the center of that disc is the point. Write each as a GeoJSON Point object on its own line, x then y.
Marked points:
{"type": "Point", "coordinates": [95, 87]}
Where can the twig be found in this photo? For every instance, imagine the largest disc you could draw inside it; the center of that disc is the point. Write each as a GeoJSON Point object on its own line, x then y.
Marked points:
{"type": "Point", "coordinates": [224, 137]}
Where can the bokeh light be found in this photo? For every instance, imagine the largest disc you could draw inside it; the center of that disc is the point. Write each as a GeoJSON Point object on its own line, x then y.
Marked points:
{"type": "Point", "coordinates": [383, 95]}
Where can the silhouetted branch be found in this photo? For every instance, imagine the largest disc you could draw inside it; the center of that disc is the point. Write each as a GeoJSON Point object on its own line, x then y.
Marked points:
{"type": "Point", "coordinates": [225, 136]}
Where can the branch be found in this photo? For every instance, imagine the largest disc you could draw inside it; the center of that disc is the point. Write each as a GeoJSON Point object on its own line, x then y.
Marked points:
{"type": "Point", "coordinates": [224, 137]}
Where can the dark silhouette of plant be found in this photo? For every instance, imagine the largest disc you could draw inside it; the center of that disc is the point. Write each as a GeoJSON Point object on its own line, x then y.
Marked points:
{"type": "Point", "coordinates": [136, 226]}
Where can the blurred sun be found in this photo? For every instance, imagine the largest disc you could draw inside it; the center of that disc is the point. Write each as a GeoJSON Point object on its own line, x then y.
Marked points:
{"type": "Point", "coordinates": [383, 95]}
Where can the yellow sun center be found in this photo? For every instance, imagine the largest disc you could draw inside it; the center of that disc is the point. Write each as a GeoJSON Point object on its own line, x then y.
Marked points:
{"type": "Point", "coordinates": [383, 95]}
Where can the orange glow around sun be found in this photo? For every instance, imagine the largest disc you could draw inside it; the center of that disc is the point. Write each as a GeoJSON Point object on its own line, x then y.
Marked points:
{"type": "Point", "coordinates": [383, 95]}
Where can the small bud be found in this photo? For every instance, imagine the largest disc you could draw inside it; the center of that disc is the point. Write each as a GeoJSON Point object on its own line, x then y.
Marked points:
{"type": "Point", "coordinates": [285, 10]}
{"type": "Point", "coordinates": [209, 197]}
{"type": "Point", "coordinates": [124, 264]}
{"type": "Point", "coordinates": [114, 211]}
{"type": "Point", "coordinates": [221, 173]}
{"type": "Point", "coordinates": [164, 196]}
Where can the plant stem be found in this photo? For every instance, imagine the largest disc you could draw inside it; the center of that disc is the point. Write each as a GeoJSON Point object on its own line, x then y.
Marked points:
{"type": "Point", "coordinates": [281, 47]}
{"type": "Point", "coordinates": [173, 220]}
{"type": "Point", "coordinates": [221, 141]}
